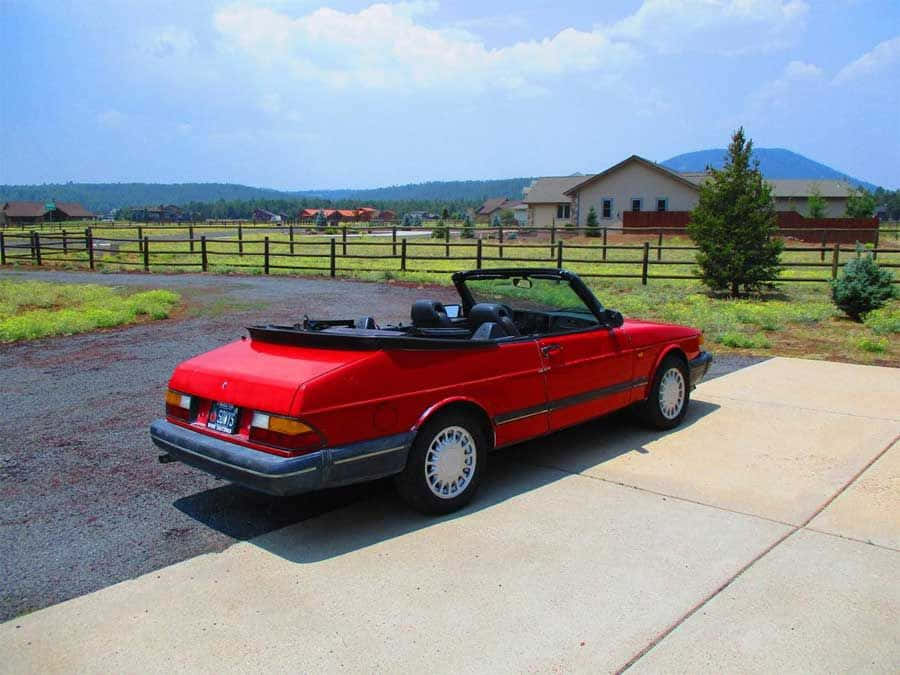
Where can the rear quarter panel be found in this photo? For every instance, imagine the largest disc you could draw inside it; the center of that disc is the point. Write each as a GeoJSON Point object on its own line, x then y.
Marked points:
{"type": "Point", "coordinates": [388, 392]}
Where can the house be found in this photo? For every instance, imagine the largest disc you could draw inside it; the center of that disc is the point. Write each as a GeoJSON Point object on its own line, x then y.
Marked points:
{"type": "Point", "coordinates": [164, 213]}
{"type": "Point", "coordinates": [520, 212]}
{"type": "Point", "coordinates": [264, 216]}
{"type": "Point", "coordinates": [347, 215]}
{"type": "Point", "coordinates": [40, 212]}
{"type": "Point", "coordinates": [366, 214]}
{"type": "Point", "coordinates": [637, 184]}
{"type": "Point", "coordinates": [492, 207]}
{"type": "Point", "coordinates": [387, 214]}
{"type": "Point", "coordinates": [547, 202]}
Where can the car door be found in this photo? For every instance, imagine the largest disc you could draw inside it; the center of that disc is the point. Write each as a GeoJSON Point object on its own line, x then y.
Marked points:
{"type": "Point", "coordinates": [586, 374]}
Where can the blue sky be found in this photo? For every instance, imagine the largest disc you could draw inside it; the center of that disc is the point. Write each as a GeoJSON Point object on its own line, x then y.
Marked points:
{"type": "Point", "coordinates": [300, 94]}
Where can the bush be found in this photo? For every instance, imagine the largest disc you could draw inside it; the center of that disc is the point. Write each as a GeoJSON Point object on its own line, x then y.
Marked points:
{"type": "Point", "coordinates": [440, 230]}
{"type": "Point", "coordinates": [883, 321]}
{"type": "Point", "coordinates": [863, 287]}
{"type": "Point", "coordinates": [468, 229]}
{"type": "Point", "coordinates": [873, 345]}
{"type": "Point", "coordinates": [742, 341]}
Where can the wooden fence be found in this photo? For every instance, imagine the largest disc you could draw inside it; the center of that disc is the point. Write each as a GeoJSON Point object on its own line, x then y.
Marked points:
{"type": "Point", "coordinates": [790, 224]}
{"type": "Point", "coordinates": [490, 247]}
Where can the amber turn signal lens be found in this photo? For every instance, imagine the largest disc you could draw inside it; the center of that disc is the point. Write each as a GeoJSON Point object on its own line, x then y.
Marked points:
{"type": "Point", "coordinates": [284, 432]}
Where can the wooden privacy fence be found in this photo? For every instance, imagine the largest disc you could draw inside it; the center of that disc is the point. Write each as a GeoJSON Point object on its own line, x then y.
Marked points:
{"type": "Point", "coordinates": [790, 224]}
{"type": "Point", "coordinates": [491, 247]}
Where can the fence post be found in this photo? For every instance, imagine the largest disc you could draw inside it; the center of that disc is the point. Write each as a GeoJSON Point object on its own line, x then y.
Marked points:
{"type": "Point", "coordinates": [447, 241]}
{"type": "Point", "coordinates": [2, 250]}
{"type": "Point", "coordinates": [834, 260]}
{"type": "Point", "coordinates": [333, 269]}
{"type": "Point", "coordinates": [875, 248]}
{"type": "Point", "coordinates": [89, 245]}
{"type": "Point", "coordinates": [478, 255]}
{"type": "Point", "coordinates": [146, 249]}
{"type": "Point", "coordinates": [394, 240]}
{"type": "Point", "coordinates": [403, 255]}
{"type": "Point", "coordinates": [191, 235]}
{"type": "Point", "coordinates": [822, 250]}
{"type": "Point", "coordinates": [291, 237]}
{"type": "Point", "coordinates": [605, 229]}
{"type": "Point", "coordinates": [140, 233]}
{"type": "Point", "coordinates": [37, 247]}
{"type": "Point", "coordinates": [343, 240]}
{"type": "Point", "coordinates": [646, 263]}
{"type": "Point", "coordinates": [31, 245]}
{"type": "Point", "coordinates": [203, 261]}
{"type": "Point", "coordinates": [559, 255]}
{"type": "Point", "coordinates": [65, 243]}
{"type": "Point", "coordinates": [552, 236]}
{"type": "Point", "coordinates": [240, 240]}
{"type": "Point", "coordinates": [659, 246]}
{"type": "Point", "coordinates": [265, 255]}
{"type": "Point", "coordinates": [500, 236]}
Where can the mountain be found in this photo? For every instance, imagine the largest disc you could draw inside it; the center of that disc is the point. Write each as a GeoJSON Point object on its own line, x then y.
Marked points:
{"type": "Point", "coordinates": [773, 162]}
{"type": "Point", "coordinates": [101, 197]}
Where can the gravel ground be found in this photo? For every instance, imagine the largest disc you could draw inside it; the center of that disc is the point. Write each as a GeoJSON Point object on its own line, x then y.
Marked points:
{"type": "Point", "coordinates": [85, 503]}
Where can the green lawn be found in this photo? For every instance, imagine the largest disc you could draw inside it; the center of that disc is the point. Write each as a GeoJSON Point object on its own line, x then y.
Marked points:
{"type": "Point", "coordinates": [35, 309]}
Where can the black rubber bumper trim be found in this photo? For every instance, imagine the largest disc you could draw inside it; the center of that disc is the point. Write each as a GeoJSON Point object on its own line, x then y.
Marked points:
{"type": "Point", "coordinates": [277, 475]}
{"type": "Point", "coordinates": [699, 367]}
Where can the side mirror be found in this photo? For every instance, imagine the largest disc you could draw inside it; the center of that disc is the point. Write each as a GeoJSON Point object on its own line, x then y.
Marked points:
{"type": "Point", "coordinates": [453, 311]}
{"type": "Point", "coordinates": [612, 318]}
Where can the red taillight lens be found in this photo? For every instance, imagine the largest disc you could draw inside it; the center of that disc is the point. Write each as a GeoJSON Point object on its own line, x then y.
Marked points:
{"type": "Point", "coordinates": [285, 433]}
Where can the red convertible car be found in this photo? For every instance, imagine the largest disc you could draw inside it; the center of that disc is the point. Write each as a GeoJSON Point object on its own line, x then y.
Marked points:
{"type": "Point", "coordinates": [294, 408]}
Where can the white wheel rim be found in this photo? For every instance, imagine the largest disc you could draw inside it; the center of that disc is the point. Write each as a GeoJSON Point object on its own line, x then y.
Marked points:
{"type": "Point", "coordinates": [450, 462]}
{"type": "Point", "coordinates": [671, 393]}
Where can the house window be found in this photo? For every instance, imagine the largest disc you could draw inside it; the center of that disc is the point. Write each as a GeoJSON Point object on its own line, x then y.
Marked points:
{"type": "Point", "coordinates": [606, 208]}
{"type": "Point", "coordinates": [662, 204]}
{"type": "Point", "coordinates": [562, 211]}
{"type": "Point", "coordinates": [636, 204]}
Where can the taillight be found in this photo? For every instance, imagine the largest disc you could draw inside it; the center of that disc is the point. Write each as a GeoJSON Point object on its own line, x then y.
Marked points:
{"type": "Point", "coordinates": [179, 406]}
{"type": "Point", "coordinates": [284, 432]}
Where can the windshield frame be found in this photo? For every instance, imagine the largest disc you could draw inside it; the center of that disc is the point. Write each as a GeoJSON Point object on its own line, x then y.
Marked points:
{"type": "Point", "coordinates": [575, 283]}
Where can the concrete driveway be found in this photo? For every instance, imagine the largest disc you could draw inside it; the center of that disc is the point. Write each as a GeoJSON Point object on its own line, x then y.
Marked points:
{"type": "Point", "coordinates": [762, 535]}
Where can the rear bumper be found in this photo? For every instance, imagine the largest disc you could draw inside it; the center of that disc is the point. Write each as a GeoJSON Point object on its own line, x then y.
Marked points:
{"type": "Point", "coordinates": [698, 367]}
{"type": "Point", "coordinates": [276, 475]}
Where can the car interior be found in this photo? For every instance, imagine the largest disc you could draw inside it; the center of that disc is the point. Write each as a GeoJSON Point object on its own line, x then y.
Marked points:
{"type": "Point", "coordinates": [484, 321]}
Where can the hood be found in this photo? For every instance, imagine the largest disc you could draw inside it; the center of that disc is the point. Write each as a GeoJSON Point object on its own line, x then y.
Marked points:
{"type": "Point", "coordinates": [258, 375]}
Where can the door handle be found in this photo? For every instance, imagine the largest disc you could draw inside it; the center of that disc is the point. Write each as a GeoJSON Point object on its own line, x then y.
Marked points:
{"type": "Point", "coordinates": [546, 350]}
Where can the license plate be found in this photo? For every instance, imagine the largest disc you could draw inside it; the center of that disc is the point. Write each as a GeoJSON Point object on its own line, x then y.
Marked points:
{"type": "Point", "coordinates": [223, 417]}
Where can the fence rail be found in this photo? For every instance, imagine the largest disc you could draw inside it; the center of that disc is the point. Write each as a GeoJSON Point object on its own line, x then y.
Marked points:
{"type": "Point", "coordinates": [292, 248]}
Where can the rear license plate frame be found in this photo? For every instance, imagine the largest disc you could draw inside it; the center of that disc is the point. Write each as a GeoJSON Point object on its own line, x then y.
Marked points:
{"type": "Point", "coordinates": [223, 417]}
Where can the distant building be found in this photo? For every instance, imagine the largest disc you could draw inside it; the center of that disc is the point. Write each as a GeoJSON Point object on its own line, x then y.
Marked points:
{"type": "Point", "coordinates": [264, 216]}
{"type": "Point", "coordinates": [164, 213]}
{"type": "Point", "coordinates": [547, 202]}
{"type": "Point", "coordinates": [492, 207]}
{"type": "Point", "coordinates": [43, 212]}
{"type": "Point", "coordinates": [387, 214]}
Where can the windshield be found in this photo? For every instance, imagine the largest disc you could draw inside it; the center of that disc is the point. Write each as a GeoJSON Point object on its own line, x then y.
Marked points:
{"type": "Point", "coordinates": [529, 293]}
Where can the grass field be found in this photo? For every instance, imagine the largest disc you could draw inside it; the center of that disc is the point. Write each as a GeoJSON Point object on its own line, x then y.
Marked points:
{"type": "Point", "coordinates": [35, 309]}
{"type": "Point", "coordinates": [796, 319]}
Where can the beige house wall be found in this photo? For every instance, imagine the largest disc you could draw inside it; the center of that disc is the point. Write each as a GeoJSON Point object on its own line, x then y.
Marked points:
{"type": "Point", "coordinates": [633, 180]}
{"type": "Point", "coordinates": [835, 207]}
{"type": "Point", "coordinates": [544, 215]}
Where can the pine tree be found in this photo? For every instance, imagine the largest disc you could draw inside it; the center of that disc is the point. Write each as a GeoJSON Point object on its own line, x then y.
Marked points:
{"type": "Point", "coordinates": [321, 222]}
{"type": "Point", "coordinates": [860, 204]}
{"type": "Point", "coordinates": [592, 223]}
{"type": "Point", "coordinates": [734, 223]}
{"type": "Point", "coordinates": [815, 204]}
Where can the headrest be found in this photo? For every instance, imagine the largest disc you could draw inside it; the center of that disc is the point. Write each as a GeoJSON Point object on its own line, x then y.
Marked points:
{"type": "Point", "coordinates": [429, 314]}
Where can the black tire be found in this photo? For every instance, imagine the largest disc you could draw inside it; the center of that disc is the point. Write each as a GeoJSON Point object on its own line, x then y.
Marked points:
{"type": "Point", "coordinates": [658, 412]}
{"type": "Point", "coordinates": [414, 484]}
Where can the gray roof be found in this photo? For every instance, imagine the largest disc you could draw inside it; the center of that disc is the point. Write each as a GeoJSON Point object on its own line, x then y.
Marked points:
{"type": "Point", "coordinates": [674, 175]}
{"type": "Point", "coordinates": [792, 187]}
{"type": "Point", "coordinates": [550, 190]}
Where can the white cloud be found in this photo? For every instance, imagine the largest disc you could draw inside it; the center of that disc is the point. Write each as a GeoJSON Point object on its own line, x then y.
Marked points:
{"type": "Point", "coordinates": [388, 47]}
{"type": "Point", "coordinates": [712, 26]}
{"type": "Point", "coordinates": [882, 57]}
{"type": "Point", "coordinates": [796, 77]}
{"type": "Point", "coordinates": [383, 47]}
